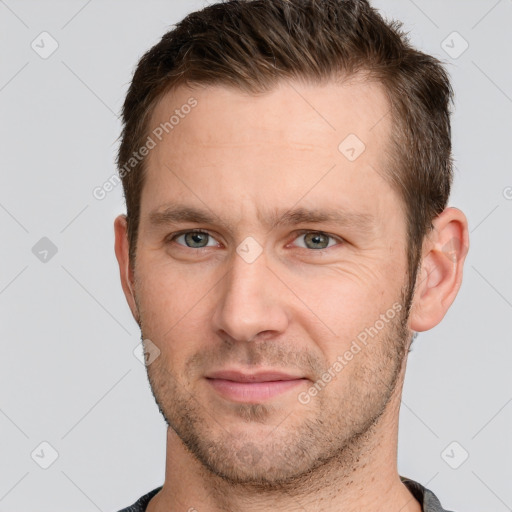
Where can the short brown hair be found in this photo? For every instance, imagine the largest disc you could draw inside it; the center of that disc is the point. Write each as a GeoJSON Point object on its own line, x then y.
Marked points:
{"type": "Point", "coordinates": [253, 44]}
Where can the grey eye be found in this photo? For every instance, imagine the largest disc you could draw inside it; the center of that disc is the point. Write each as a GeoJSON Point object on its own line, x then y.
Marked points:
{"type": "Point", "coordinates": [315, 240]}
{"type": "Point", "coordinates": [196, 239]}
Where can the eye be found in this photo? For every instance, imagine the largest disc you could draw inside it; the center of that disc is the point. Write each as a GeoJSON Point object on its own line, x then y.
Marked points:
{"type": "Point", "coordinates": [194, 239]}
{"type": "Point", "coordinates": [316, 240]}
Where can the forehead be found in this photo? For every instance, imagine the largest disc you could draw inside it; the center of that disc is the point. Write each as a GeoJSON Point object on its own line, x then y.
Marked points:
{"type": "Point", "coordinates": [315, 114]}
{"type": "Point", "coordinates": [277, 147]}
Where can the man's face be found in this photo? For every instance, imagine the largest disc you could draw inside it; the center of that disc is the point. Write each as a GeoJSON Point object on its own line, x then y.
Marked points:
{"type": "Point", "coordinates": [309, 299]}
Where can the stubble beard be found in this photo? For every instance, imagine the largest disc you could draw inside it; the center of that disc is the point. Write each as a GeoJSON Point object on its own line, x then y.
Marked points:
{"type": "Point", "coordinates": [333, 436]}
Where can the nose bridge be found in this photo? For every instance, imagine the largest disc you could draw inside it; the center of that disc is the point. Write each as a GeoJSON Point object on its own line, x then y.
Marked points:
{"type": "Point", "coordinates": [249, 303]}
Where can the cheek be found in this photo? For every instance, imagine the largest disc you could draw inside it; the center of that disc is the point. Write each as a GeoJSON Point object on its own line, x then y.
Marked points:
{"type": "Point", "coordinates": [337, 305]}
{"type": "Point", "coordinates": [171, 300]}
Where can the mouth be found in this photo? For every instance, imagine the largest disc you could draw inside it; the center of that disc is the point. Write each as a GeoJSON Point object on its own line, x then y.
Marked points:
{"type": "Point", "coordinates": [256, 387]}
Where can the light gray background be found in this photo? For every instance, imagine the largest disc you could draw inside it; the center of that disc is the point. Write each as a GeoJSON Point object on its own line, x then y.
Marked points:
{"type": "Point", "coordinates": [69, 376]}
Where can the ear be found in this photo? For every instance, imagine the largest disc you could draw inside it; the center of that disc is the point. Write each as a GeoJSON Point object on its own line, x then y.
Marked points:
{"type": "Point", "coordinates": [440, 275]}
{"type": "Point", "coordinates": [125, 269]}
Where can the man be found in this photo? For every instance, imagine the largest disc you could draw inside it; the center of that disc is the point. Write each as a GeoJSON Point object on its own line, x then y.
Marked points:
{"type": "Point", "coordinates": [286, 166]}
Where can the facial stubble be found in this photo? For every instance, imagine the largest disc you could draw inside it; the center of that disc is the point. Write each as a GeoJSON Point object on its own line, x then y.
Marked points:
{"type": "Point", "coordinates": [331, 432]}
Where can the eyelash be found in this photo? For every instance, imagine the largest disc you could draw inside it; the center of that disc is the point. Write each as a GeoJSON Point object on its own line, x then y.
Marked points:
{"type": "Point", "coordinates": [172, 237]}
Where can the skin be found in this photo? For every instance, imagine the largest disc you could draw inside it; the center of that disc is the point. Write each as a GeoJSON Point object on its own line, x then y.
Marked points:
{"type": "Point", "coordinates": [295, 308]}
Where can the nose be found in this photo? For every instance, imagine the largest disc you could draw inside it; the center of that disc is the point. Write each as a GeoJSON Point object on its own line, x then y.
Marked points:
{"type": "Point", "coordinates": [250, 302]}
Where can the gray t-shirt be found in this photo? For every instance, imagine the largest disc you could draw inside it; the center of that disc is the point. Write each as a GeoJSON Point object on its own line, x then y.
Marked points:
{"type": "Point", "coordinates": [428, 500]}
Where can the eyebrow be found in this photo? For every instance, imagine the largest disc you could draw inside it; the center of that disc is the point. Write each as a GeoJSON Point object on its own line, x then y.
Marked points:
{"type": "Point", "coordinates": [176, 214]}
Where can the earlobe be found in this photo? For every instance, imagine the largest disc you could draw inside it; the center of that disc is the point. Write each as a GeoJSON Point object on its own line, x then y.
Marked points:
{"type": "Point", "coordinates": [121, 248]}
{"type": "Point", "coordinates": [440, 275]}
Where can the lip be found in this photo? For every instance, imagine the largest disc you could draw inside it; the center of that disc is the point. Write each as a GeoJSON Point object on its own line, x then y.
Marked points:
{"type": "Point", "coordinates": [252, 387]}
{"type": "Point", "coordinates": [265, 376]}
